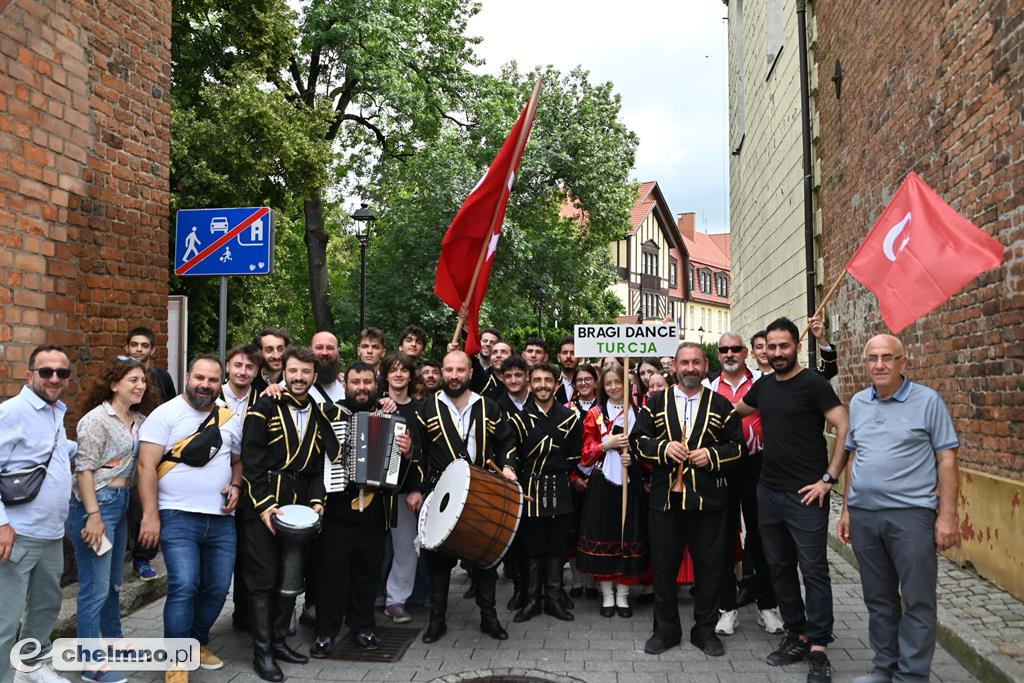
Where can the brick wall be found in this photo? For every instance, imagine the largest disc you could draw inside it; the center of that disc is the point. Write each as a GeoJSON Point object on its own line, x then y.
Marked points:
{"type": "Point", "coordinates": [84, 146]}
{"type": "Point", "coordinates": [933, 87]}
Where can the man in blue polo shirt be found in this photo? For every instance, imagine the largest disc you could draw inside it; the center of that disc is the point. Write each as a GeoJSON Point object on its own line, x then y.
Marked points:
{"type": "Point", "coordinates": [903, 443]}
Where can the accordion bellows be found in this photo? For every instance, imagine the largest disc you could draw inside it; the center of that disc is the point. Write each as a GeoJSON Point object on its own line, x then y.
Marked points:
{"type": "Point", "coordinates": [369, 455]}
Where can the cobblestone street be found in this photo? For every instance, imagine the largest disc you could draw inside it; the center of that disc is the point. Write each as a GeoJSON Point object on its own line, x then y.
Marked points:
{"type": "Point", "coordinates": [592, 648]}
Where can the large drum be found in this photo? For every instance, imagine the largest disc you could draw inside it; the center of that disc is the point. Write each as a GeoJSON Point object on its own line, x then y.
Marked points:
{"type": "Point", "coordinates": [473, 514]}
{"type": "Point", "coordinates": [296, 526]}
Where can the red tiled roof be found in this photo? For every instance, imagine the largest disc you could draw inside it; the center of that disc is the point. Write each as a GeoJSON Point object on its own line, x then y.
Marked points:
{"type": "Point", "coordinates": [708, 250]}
{"type": "Point", "coordinates": [645, 202]}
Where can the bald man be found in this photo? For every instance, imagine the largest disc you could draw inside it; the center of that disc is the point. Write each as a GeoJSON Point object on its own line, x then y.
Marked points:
{"type": "Point", "coordinates": [329, 387]}
{"type": "Point", "coordinates": [459, 423]}
{"type": "Point", "coordinates": [903, 445]}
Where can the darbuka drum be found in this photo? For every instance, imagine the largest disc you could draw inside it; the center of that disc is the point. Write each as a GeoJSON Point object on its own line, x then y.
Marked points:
{"type": "Point", "coordinates": [473, 514]}
{"type": "Point", "coordinates": [296, 526]}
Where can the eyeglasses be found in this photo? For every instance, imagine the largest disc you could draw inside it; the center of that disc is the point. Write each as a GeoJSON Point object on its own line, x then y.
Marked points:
{"type": "Point", "coordinates": [887, 359]}
{"type": "Point", "coordinates": [584, 380]}
{"type": "Point", "coordinates": [731, 349]}
{"type": "Point", "coordinates": [47, 373]}
{"type": "Point", "coordinates": [129, 359]}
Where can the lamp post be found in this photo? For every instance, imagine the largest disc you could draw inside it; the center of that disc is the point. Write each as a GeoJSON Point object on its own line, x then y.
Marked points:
{"type": "Point", "coordinates": [700, 332]}
{"type": "Point", "coordinates": [362, 218]}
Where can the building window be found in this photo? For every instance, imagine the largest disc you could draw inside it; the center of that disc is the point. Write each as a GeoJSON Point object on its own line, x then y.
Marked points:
{"type": "Point", "coordinates": [673, 267]}
{"type": "Point", "coordinates": [689, 276]}
{"type": "Point", "coordinates": [650, 264]}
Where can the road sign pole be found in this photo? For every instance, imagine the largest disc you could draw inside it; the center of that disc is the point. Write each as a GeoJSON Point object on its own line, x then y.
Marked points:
{"type": "Point", "coordinates": [222, 320]}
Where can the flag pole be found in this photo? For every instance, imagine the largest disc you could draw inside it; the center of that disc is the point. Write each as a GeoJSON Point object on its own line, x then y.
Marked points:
{"type": "Point", "coordinates": [625, 430]}
{"type": "Point", "coordinates": [531, 110]}
{"type": "Point", "coordinates": [828, 295]}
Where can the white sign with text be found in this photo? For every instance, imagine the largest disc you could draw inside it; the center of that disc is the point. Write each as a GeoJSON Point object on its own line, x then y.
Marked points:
{"type": "Point", "coordinates": [626, 340]}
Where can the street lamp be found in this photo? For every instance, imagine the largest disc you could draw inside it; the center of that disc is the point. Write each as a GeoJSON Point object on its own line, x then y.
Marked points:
{"type": "Point", "coordinates": [700, 333]}
{"type": "Point", "coordinates": [362, 217]}
{"type": "Point", "coordinates": [640, 316]}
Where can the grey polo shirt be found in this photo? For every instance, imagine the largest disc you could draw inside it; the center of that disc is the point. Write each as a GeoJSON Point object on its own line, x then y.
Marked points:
{"type": "Point", "coordinates": [896, 441]}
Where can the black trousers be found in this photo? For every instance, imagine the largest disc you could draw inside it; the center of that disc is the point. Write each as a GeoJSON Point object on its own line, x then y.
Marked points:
{"type": "Point", "coordinates": [440, 562]}
{"type": "Point", "coordinates": [670, 533]}
{"type": "Point", "coordinates": [261, 557]}
{"type": "Point", "coordinates": [742, 494]}
{"type": "Point", "coordinates": [140, 553]}
{"type": "Point", "coordinates": [794, 535]}
{"type": "Point", "coordinates": [542, 536]}
{"type": "Point", "coordinates": [239, 591]}
{"type": "Point", "coordinates": [346, 574]}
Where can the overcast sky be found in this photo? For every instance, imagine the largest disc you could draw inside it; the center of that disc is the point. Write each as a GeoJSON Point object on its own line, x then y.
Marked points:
{"type": "Point", "coordinates": [666, 59]}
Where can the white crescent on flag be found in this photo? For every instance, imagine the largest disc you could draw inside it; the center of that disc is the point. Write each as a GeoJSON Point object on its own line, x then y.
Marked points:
{"type": "Point", "coordinates": [493, 246]}
{"type": "Point", "coordinates": [890, 239]}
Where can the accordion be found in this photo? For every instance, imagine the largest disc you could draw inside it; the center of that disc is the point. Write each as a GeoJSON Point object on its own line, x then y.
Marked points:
{"type": "Point", "coordinates": [369, 455]}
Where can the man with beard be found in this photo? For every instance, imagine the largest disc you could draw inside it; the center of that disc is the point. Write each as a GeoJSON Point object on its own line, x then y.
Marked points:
{"type": "Point", "coordinates": [567, 362]}
{"type": "Point", "coordinates": [271, 342]}
{"type": "Point", "coordinates": [792, 495]}
{"type": "Point", "coordinates": [328, 387]}
{"type": "Point", "coordinates": [238, 396]}
{"type": "Point", "coordinates": [550, 440]}
{"type": "Point", "coordinates": [283, 447]}
{"type": "Point", "coordinates": [430, 373]}
{"type": "Point", "coordinates": [189, 479]}
{"type": "Point", "coordinates": [31, 533]}
{"type": "Point", "coordinates": [690, 436]}
{"type": "Point", "coordinates": [351, 543]}
{"type": "Point", "coordinates": [459, 423]}
{"type": "Point", "coordinates": [482, 361]}
{"type": "Point", "coordinates": [734, 383]}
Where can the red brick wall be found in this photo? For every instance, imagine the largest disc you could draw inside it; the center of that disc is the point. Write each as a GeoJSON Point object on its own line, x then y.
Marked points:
{"type": "Point", "coordinates": [84, 146]}
{"type": "Point", "coordinates": [933, 87]}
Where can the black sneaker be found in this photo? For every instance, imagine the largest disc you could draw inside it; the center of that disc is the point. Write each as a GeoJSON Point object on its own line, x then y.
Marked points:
{"type": "Point", "coordinates": [366, 640]}
{"type": "Point", "coordinates": [792, 649]}
{"type": "Point", "coordinates": [321, 648]}
{"type": "Point", "coordinates": [820, 670]}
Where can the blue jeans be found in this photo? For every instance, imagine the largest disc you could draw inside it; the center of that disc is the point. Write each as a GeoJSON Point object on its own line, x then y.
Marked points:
{"type": "Point", "coordinates": [100, 576]}
{"type": "Point", "coordinates": [199, 551]}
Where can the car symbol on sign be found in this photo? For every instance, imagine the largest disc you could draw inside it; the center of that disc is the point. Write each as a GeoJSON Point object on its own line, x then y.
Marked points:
{"type": "Point", "coordinates": [219, 224]}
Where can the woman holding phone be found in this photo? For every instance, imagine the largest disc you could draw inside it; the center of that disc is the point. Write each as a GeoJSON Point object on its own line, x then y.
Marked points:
{"type": "Point", "coordinates": [97, 525]}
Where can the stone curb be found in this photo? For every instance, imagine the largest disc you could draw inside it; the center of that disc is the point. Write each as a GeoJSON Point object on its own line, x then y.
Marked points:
{"type": "Point", "coordinates": [977, 654]}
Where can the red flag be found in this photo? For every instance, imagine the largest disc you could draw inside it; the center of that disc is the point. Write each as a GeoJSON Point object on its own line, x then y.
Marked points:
{"type": "Point", "coordinates": [920, 253]}
{"type": "Point", "coordinates": [461, 274]}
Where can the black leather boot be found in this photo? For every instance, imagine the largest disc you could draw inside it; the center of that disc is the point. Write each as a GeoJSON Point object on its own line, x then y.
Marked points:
{"type": "Point", "coordinates": [553, 588]}
{"type": "Point", "coordinates": [533, 605]}
{"type": "Point", "coordinates": [282, 621]}
{"type": "Point", "coordinates": [520, 584]}
{"type": "Point", "coordinates": [439, 584]}
{"type": "Point", "coordinates": [486, 587]}
{"type": "Point", "coordinates": [259, 621]}
{"type": "Point", "coordinates": [471, 591]}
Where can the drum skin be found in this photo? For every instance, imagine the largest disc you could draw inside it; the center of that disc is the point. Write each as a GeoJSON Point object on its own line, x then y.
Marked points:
{"type": "Point", "coordinates": [473, 514]}
{"type": "Point", "coordinates": [296, 527]}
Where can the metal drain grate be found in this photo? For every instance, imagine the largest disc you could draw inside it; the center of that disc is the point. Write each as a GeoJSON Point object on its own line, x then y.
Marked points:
{"type": "Point", "coordinates": [394, 641]}
{"type": "Point", "coordinates": [506, 676]}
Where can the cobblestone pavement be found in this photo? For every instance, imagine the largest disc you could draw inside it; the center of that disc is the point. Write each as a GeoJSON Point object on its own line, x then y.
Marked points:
{"type": "Point", "coordinates": [592, 648]}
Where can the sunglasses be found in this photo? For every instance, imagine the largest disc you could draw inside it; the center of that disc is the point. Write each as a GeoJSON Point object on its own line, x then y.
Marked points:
{"type": "Point", "coordinates": [47, 373]}
{"type": "Point", "coordinates": [129, 359]}
{"type": "Point", "coordinates": [731, 349]}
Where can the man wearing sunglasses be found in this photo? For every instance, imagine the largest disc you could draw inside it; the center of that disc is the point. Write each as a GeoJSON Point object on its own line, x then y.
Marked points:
{"type": "Point", "coordinates": [734, 383]}
{"type": "Point", "coordinates": [31, 532]}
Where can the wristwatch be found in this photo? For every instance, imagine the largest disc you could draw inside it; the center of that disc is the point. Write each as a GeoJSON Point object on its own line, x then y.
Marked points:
{"type": "Point", "coordinates": [828, 478]}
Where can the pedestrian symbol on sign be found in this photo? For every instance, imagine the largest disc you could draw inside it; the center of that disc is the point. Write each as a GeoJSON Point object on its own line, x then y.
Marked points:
{"type": "Point", "coordinates": [191, 246]}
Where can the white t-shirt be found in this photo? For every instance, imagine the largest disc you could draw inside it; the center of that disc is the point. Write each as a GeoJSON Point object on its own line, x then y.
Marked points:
{"type": "Point", "coordinates": [187, 488]}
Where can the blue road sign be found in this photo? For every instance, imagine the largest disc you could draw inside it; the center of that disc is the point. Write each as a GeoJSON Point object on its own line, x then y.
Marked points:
{"type": "Point", "coordinates": [236, 241]}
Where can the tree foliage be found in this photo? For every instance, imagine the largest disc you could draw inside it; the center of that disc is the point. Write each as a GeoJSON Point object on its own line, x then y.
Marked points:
{"type": "Point", "coordinates": [300, 110]}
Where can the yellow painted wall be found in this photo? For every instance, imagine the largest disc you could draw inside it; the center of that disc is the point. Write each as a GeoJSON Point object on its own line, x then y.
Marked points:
{"type": "Point", "coordinates": [991, 510]}
{"type": "Point", "coordinates": [714, 327]}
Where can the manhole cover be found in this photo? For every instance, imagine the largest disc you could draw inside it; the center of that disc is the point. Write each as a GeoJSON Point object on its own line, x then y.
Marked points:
{"type": "Point", "coordinates": [506, 676]}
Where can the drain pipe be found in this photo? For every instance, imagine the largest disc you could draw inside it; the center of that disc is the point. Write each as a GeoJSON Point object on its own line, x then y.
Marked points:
{"type": "Point", "coordinates": [805, 121]}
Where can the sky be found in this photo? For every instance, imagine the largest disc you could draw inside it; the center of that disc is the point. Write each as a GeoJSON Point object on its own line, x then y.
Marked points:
{"type": "Point", "coordinates": [668, 64]}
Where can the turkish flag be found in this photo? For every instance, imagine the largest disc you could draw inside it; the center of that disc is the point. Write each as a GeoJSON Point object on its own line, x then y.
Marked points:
{"type": "Point", "coordinates": [920, 253]}
{"type": "Point", "coordinates": [478, 223]}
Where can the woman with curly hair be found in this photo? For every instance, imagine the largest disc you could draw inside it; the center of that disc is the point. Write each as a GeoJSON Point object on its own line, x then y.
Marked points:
{"type": "Point", "coordinates": [97, 525]}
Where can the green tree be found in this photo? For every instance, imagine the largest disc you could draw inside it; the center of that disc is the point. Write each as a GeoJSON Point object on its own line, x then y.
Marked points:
{"type": "Point", "coordinates": [550, 271]}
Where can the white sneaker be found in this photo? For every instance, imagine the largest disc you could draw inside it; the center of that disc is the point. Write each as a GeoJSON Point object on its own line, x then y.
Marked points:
{"type": "Point", "coordinates": [727, 622]}
{"type": "Point", "coordinates": [772, 622]}
{"type": "Point", "coordinates": [44, 674]}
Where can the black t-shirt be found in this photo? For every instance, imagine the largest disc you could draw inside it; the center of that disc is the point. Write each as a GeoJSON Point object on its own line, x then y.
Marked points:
{"type": "Point", "coordinates": [162, 379]}
{"type": "Point", "coordinates": [793, 416]}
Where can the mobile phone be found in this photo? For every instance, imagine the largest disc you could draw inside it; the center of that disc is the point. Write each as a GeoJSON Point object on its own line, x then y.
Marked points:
{"type": "Point", "coordinates": [104, 546]}
{"type": "Point", "coordinates": [226, 496]}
